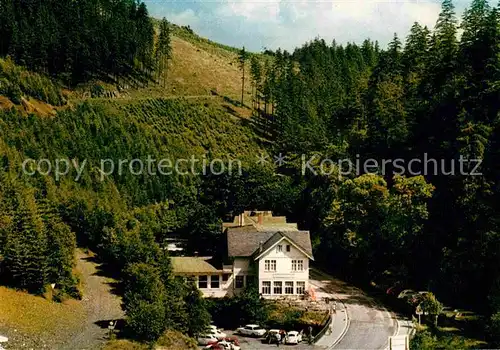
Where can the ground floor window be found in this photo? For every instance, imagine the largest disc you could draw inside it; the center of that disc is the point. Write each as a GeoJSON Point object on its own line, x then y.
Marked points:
{"type": "Point", "coordinates": [301, 287]}
{"type": "Point", "coordinates": [289, 287]}
{"type": "Point", "coordinates": [266, 287]}
{"type": "Point", "coordinates": [225, 277]}
{"type": "Point", "coordinates": [239, 282]}
{"type": "Point", "coordinates": [202, 282]}
{"type": "Point", "coordinates": [278, 287]}
{"type": "Point", "coordinates": [214, 281]}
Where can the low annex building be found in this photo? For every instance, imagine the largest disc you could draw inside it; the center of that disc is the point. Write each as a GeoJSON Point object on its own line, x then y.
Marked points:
{"type": "Point", "coordinates": [261, 248]}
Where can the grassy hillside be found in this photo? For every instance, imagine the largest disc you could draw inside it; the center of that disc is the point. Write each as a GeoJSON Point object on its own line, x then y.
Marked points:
{"type": "Point", "coordinates": [199, 123]}
{"type": "Point", "coordinates": [39, 119]}
{"type": "Point", "coordinates": [36, 318]}
{"type": "Point", "coordinates": [198, 67]}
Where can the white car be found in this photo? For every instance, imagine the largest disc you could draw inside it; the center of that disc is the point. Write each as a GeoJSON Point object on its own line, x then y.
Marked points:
{"type": "Point", "coordinates": [216, 333]}
{"type": "Point", "coordinates": [205, 339]}
{"type": "Point", "coordinates": [252, 330]}
{"type": "Point", "coordinates": [3, 340]}
{"type": "Point", "coordinates": [214, 327]}
{"type": "Point", "coordinates": [293, 337]}
{"type": "Point", "coordinates": [223, 345]}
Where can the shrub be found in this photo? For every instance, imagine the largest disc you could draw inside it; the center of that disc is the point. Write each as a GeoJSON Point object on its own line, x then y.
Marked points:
{"type": "Point", "coordinates": [146, 320]}
{"type": "Point", "coordinates": [14, 93]}
{"type": "Point", "coordinates": [96, 90]}
{"type": "Point", "coordinates": [15, 82]}
{"type": "Point", "coordinates": [431, 305]}
{"type": "Point", "coordinates": [124, 345]}
{"type": "Point", "coordinates": [242, 309]}
{"type": "Point", "coordinates": [425, 340]}
{"type": "Point", "coordinates": [494, 328]}
{"type": "Point", "coordinates": [173, 340]}
{"type": "Point", "coordinates": [196, 307]}
{"type": "Point", "coordinates": [144, 302]}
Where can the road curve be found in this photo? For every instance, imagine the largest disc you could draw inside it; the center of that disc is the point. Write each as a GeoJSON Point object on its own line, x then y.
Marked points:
{"type": "Point", "coordinates": [370, 324]}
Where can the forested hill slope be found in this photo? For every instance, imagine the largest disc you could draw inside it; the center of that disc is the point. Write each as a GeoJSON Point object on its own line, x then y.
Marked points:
{"type": "Point", "coordinates": [328, 122]}
{"type": "Point", "coordinates": [88, 110]}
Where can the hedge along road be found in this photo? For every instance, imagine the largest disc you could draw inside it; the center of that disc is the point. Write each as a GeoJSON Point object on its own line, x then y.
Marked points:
{"type": "Point", "coordinates": [369, 324]}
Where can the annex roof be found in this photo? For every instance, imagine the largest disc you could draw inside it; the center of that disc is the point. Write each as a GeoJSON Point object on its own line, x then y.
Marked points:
{"type": "Point", "coordinates": [191, 265]}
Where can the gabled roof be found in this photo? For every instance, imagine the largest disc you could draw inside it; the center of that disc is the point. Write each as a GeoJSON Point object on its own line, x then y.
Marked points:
{"type": "Point", "coordinates": [253, 232]}
{"type": "Point", "coordinates": [277, 238]}
{"type": "Point", "coordinates": [244, 241]}
{"type": "Point", "coordinates": [190, 265]}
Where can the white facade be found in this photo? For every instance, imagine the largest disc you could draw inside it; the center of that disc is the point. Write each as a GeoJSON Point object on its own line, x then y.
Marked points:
{"type": "Point", "coordinates": [241, 271]}
{"type": "Point", "coordinates": [233, 281]}
{"type": "Point", "coordinates": [213, 286]}
{"type": "Point", "coordinates": [283, 271]}
{"type": "Point", "coordinates": [263, 249]}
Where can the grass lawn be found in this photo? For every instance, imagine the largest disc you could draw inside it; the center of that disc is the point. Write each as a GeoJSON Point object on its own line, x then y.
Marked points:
{"type": "Point", "coordinates": [35, 315]}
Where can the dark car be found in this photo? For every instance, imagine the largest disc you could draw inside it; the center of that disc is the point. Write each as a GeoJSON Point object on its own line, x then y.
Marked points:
{"type": "Point", "coordinates": [270, 337]}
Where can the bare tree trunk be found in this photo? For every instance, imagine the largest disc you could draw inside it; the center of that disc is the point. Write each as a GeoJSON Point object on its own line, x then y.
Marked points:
{"type": "Point", "coordinates": [242, 83]}
{"type": "Point", "coordinates": [166, 75]}
{"type": "Point", "coordinates": [253, 99]}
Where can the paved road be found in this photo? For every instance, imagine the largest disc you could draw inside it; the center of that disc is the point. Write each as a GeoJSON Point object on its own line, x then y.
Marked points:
{"type": "Point", "coordinates": [369, 324]}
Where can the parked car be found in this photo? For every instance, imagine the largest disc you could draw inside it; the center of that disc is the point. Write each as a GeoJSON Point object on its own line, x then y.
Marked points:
{"type": "Point", "coordinates": [214, 327]}
{"type": "Point", "coordinates": [3, 340]}
{"type": "Point", "coordinates": [206, 339]}
{"type": "Point", "coordinates": [252, 330]}
{"type": "Point", "coordinates": [406, 293]}
{"type": "Point", "coordinates": [293, 337]}
{"type": "Point", "coordinates": [216, 333]}
{"type": "Point", "coordinates": [223, 345]}
{"type": "Point", "coordinates": [271, 336]}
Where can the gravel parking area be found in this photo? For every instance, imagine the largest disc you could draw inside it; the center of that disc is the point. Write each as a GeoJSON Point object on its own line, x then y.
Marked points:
{"type": "Point", "coordinates": [250, 343]}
